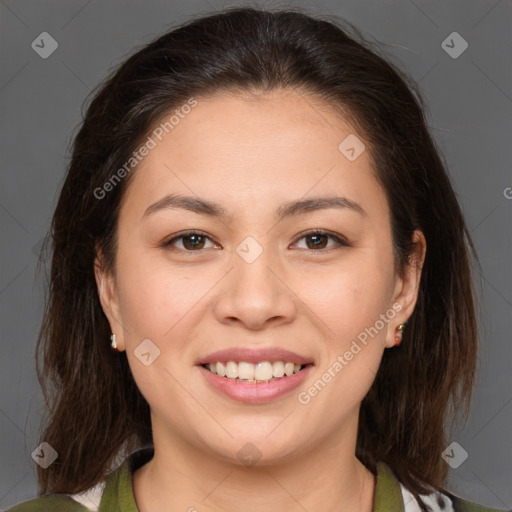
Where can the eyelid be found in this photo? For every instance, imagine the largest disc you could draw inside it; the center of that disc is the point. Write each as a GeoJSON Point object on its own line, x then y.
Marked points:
{"type": "Point", "coordinates": [341, 241]}
{"type": "Point", "coordinates": [186, 233]}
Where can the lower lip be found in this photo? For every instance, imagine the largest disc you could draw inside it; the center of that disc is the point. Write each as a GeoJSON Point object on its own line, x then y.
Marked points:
{"type": "Point", "coordinates": [256, 393]}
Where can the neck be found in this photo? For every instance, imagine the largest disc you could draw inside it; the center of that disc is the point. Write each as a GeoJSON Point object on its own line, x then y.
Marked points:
{"type": "Point", "coordinates": [182, 477]}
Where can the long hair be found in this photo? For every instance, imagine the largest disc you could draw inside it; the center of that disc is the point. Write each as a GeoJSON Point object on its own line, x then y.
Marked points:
{"type": "Point", "coordinates": [95, 410]}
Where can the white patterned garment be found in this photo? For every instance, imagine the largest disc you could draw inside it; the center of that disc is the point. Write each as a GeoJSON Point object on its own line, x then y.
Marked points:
{"type": "Point", "coordinates": [436, 502]}
{"type": "Point", "coordinates": [90, 498]}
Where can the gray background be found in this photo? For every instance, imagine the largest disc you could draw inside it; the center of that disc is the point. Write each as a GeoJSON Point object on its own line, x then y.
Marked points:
{"type": "Point", "coordinates": [470, 101]}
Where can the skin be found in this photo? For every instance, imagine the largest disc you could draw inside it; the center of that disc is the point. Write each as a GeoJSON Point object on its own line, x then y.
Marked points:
{"type": "Point", "coordinates": [251, 154]}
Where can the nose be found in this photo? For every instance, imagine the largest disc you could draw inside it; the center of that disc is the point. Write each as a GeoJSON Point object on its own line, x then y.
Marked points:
{"type": "Point", "coordinates": [255, 294]}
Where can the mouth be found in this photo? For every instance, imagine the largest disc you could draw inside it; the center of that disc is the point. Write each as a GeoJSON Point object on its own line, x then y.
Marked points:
{"type": "Point", "coordinates": [255, 383]}
{"type": "Point", "coordinates": [254, 376]}
{"type": "Point", "coordinates": [255, 373]}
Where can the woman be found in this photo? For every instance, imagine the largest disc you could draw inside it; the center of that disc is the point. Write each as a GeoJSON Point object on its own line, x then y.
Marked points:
{"type": "Point", "coordinates": [253, 212]}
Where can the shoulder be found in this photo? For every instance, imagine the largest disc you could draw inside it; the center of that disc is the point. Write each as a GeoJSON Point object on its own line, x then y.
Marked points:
{"type": "Point", "coordinates": [50, 503]}
{"type": "Point", "coordinates": [391, 494]}
{"type": "Point", "coordinates": [462, 505]}
{"type": "Point", "coordinates": [87, 501]}
{"type": "Point", "coordinates": [111, 495]}
{"type": "Point", "coordinates": [443, 502]}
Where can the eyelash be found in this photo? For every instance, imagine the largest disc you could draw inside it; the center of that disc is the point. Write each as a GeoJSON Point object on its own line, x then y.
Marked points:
{"type": "Point", "coordinates": [341, 243]}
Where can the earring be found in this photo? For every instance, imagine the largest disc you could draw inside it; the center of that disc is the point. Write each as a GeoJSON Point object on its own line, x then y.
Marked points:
{"type": "Point", "coordinates": [398, 334]}
{"type": "Point", "coordinates": [113, 343]}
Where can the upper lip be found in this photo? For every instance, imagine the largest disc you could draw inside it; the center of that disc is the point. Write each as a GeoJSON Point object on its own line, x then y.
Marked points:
{"type": "Point", "coordinates": [254, 356]}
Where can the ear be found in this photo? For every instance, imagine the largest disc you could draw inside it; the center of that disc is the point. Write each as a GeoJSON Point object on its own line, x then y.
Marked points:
{"type": "Point", "coordinates": [107, 292]}
{"type": "Point", "coordinates": [407, 286]}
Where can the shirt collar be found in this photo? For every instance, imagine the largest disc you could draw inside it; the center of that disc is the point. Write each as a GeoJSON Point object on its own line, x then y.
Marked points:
{"type": "Point", "coordinates": [118, 494]}
{"type": "Point", "coordinates": [388, 493]}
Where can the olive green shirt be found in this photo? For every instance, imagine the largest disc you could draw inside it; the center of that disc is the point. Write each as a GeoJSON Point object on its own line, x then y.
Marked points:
{"type": "Point", "coordinates": [117, 494]}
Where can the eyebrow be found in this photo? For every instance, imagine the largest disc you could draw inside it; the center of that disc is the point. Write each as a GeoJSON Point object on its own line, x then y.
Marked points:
{"type": "Point", "coordinates": [288, 209]}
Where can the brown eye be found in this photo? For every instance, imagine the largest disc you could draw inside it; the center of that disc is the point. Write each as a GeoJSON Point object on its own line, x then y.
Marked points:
{"type": "Point", "coordinates": [192, 241]}
{"type": "Point", "coordinates": [318, 240]}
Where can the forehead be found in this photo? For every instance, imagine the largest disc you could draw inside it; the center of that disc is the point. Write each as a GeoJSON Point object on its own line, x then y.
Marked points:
{"type": "Point", "coordinates": [248, 150]}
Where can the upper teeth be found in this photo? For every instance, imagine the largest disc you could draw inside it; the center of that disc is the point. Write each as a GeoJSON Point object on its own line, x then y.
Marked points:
{"type": "Point", "coordinates": [249, 371]}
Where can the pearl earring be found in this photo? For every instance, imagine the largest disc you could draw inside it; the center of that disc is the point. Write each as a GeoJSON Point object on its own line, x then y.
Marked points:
{"type": "Point", "coordinates": [113, 343]}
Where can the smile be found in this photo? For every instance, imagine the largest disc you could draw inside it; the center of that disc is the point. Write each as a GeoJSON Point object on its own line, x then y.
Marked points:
{"type": "Point", "coordinates": [255, 383]}
{"type": "Point", "coordinates": [264, 371]}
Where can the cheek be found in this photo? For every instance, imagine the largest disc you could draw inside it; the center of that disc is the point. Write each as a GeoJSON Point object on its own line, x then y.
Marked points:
{"type": "Point", "coordinates": [163, 306]}
{"type": "Point", "coordinates": [348, 296]}
{"type": "Point", "coordinates": [350, 303]}
{"type": "Point", "coordinates": [157, 301]}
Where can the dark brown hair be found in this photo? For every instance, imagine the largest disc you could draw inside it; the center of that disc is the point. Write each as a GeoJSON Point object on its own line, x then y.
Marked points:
{"type": "Point", "coordinates": [95, 408]}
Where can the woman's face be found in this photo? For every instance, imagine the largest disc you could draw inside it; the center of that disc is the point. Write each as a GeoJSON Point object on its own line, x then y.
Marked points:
{"type": "Point", "coordinates": [258, 279]}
